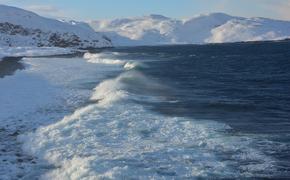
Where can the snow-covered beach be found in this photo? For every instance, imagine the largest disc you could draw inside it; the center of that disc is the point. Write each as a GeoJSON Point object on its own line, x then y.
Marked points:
{"type": "Point", "coordinates": [37, 95]}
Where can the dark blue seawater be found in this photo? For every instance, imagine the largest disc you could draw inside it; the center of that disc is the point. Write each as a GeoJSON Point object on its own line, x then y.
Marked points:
{"type": "Point", "coordinates": [219, 111]}
{"type": "Point", "coordinates": [243, 85]}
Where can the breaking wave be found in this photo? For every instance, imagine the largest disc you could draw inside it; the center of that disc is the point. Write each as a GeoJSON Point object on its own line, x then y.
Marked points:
{"type": "Point", "coordinates": [110, 58]}
{"type": "Point", "coordinates": [101, 59]}
{"type": "Point", "coordinates": [115, 138]}
{"type": "Point", "coordinates": [130, 65]}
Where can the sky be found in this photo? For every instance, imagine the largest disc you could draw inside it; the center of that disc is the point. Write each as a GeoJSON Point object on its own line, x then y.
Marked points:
{"type": "Point", "coordinates": [109, 9]}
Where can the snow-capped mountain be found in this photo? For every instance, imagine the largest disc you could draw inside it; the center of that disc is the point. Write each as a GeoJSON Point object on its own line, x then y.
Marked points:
{"type": "Point", "coordinates": [251, 29]}
{"type": "Point", "coordinates": [19, 27]}
{"type": "Point", "coordinates": [210, 28]}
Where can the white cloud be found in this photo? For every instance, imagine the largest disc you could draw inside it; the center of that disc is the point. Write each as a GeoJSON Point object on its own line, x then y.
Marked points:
{"type": "Point", "coordinates": [47, 10]}
{"type": "Point", "coordinates": [279, 9]}
{"type": "Point", "coordinates": [283, 9]}
{"type": "Point", "coordinates": [43, 8]}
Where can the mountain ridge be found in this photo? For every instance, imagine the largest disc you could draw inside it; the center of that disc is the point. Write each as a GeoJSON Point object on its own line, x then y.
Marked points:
{"type": "Point", "coordinates": [205, 28]}
{"type": "Point", "coordinates": [20, 27]}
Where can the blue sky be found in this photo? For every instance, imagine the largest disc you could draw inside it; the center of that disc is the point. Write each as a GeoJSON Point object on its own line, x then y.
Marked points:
{"type": "Point", "coordinates": [107, 9]}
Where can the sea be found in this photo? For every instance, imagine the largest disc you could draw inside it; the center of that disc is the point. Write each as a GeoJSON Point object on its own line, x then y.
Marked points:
{"type": "Point", "coordinates": [216, 111]}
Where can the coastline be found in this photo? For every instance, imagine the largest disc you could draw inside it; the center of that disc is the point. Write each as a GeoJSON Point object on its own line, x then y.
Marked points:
{"type": "Point", "coordinates": [32, 109]}
{"type": "Point", "coordinates": [10, 64]}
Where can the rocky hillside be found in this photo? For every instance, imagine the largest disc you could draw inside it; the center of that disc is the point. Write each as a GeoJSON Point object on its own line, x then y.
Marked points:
{"type": "Point", "coordinates": [19, 27]}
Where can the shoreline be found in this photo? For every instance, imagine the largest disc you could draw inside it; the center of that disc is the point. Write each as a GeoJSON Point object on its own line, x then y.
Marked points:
{"type": "Point", "coordinates": [9, 64]}
{"type": "Point", "coordinates": [12, 156]}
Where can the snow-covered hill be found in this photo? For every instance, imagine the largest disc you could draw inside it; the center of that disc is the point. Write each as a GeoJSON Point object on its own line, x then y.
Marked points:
{"type": "Point", "coordinates": [19, 27]}
{"type": "Point", "coordinates": [210, 28]}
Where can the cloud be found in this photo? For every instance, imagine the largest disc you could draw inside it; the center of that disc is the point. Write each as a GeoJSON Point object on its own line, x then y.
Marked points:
{"type": "Point", "coordinates": [4, 1]}
{"type": "Point", "coordinates": [283, 9]}
{"type": "Point", "coordinates": [277, 8]}
{"type": "Point", "coordinates": [43, 8]}
{"type": "Point", "coordinates": [47, 10]}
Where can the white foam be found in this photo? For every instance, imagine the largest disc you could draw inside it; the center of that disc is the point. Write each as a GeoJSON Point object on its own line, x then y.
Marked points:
{"type": "Point", "coordinates": [41, 94]}
{"type": "Point", "coordinates": [108, 92]}
{"type": "Point", "coordinates": [110, 59]}
{"type": "Point", "coordinates": [116, 138]}
{"type": "Point", "coordinates": [129, 141]}
{"type": "Point", "coordinates": [130, 65]}
{"type": "Point", "coordinates": [102, 58]}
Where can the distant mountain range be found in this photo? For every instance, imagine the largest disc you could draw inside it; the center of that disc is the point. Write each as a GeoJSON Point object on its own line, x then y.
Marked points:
{"type": "Point", "coordinates": [210, 28]}
{"type": "Point", "coordinates": [19, 27]}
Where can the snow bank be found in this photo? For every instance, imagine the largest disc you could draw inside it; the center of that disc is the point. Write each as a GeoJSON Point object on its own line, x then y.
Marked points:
{"type": "Point", "coordinates": [33, 51]}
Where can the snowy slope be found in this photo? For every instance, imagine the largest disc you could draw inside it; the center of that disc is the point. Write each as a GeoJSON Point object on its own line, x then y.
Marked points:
{"type": "Point", "coordinates": [252, 29]}
{"type": "Point", "coordinates": [120, 40]}
{"type": "Point", "coordinates": [210, 28]}
{"type": "Point", "coordinates": [153, 29]}
{"type": "Point", "coordinates": [19, 27]}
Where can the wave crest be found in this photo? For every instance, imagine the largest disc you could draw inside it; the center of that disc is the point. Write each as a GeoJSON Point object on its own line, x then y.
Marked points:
{"type": "Point", "coordinates": [107, 58]}
{"type": "Point", "coordinates": [101, 59]}
{"type": "Point", "coordinates": [108, 91]}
